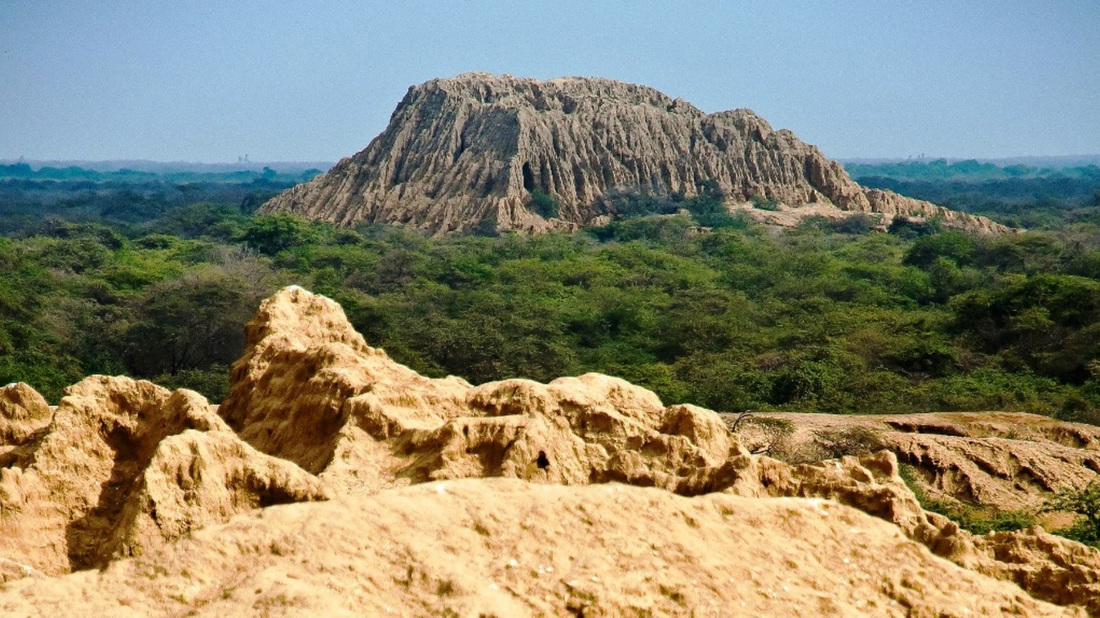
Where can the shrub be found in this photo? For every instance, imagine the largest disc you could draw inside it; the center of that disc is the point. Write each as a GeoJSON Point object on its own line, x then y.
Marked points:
{"type": "Point", "coordinates": [487, 227]}
{"type": "Point", "coordinates": [270, 234]}
{"type": "Point", "coordinates": [663, 229]}
{"type": "Point", "coordinates": [708, 206]}
{"type": "Point", "coordinates": [859, 223]}
{"type": "Point", "coordinates": [543, 204]}
{"type": "Point", "coordinates": [955, 247]}
{"type": "Point", "coordinates": [1076, 410]}
{"type": "Point", "coordinates": [344, 236]}
{"type": "Point", "coordinates": [1086, 504]}
{"type": "Point", "coordinates": [157, 241]}
{"type": "Point", "coordinates": [980, 520]}
{"type": "Point", "coordinates": [211, 382]}
{"type": "Point", "coordinates": [855, 441]}
{"type": "Point", "coordinates": [763, 435]}
{"type": "Point", "coordinates": [633, 203]}
{"type": "Point", "coordinates": [913, 228]}
{"type": "Point", "coordinates": [762, 203]}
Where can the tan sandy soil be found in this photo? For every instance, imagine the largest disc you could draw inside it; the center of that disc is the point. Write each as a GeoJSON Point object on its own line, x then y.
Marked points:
{"type": "Point", "coordinates": [1009, 461]}
{"type": "Point", "coordinates": [495, 547]}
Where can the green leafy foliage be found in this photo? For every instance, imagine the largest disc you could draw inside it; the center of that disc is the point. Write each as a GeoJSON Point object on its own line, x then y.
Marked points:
{"type": "Point", "coordinates": [1085, 503]}
{"type": "Point", "coordinates": [762, 203]}
{"type": "Point", "coordinates": [708, 207]}
{"type": "Point", "coordinates": [674, 294]}
{"type": "Point", "coordinates": [128, 201]}
{"type": "Point", "coordinates": [630, 204]}
{"type": "Point", "coordinates": [544, 204]}
{"type": "Point", "coordinates": [270, 234]}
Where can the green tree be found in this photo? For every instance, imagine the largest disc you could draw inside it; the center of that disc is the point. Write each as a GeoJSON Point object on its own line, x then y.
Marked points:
{"type": "Point", "coordinates": [188, 323]}
{"type": "Point", "coordinates": [957, 247]}
{"type": "Point", "coordinates": [271, 234]}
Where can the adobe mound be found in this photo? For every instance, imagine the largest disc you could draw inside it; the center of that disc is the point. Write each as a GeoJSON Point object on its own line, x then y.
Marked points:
{"type": "Point", "coordinates": [310, 389]}
{"type": "Point", "coordinates": [508, 548]}
{"type": "Point", "coordinates": [469, 150]}
{"type": "Point", "coordinates": [124, 466]}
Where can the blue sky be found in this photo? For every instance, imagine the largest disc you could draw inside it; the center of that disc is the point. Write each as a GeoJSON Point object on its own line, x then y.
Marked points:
{"type": "Point", "coordinates": [209, 81]}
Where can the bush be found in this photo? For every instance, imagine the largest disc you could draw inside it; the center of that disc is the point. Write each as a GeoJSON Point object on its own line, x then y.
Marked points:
{"type": "Point", "coordinates": [979, 520]}
{"type": "Point", "coordinates": [1085, 503]}
{"type": "Point", "coordinates": [708, 207]}
{"type": "Point", "coordinates": [955, 247]}
{"type": "Point", "coordinates": [271, 234]}
{"type": "Point", "coordinates": [664, 229]}
{"type": "Point", "coordinates": [762, 203]}
{"type": "Point", "coordinates": [487, 227]}
{"type": "Point", "coordinates": [212, 382]}
{"type": "Point", "coordinates": [860, 223]}
{"type": "Point", "coordinates": [763, 435]}
{"type": "Point", "coordinates": [628, 204]}
{"type": "Point", "coordinates": [913, 228]}
{"type": "Point", "coordinates": [856, 441]}
{"type": "Point", "coordinates": [1077, 410]}
{"type": "Point", "coordinates": [544, 204]}
{"type": "Point", "coordinates": [157, 241]}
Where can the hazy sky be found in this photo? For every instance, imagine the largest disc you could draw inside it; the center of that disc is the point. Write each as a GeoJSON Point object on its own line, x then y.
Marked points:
{"type": "Point", "coordinates": [209, 81]}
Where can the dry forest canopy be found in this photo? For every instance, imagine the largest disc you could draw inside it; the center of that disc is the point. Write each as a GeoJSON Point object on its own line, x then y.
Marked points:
{"type": "Point", "coordinates": [1019, 195]}
{"type": "Point", "coordinates": [153, 275]}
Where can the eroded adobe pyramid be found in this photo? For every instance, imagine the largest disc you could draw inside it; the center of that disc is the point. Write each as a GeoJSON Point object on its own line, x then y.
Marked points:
{"type": "Point", "coordinates": [464, 150]}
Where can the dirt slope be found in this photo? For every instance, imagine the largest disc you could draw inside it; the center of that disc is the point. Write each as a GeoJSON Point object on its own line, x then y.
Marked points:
{"type": "Point", "coordinates": [509, 548]}
{"type": "Point", "coordinates": [309, 389]}
{"type": "Point", "coordinates": [1006, 460]}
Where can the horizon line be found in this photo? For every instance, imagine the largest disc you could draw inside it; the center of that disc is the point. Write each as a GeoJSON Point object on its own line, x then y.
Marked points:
{"type": "Point", "coordinates": [314, 162]}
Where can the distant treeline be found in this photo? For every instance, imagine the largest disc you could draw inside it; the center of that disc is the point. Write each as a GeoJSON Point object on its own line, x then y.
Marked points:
{"type": "Point", "coordinates": [969, 170]}
{"type": "Point", "coordinates": [25, 171]}
{"type": "Point", "coordinates": [1018, 195]}
{"type": "Point", "coordinates": [129, 205]}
